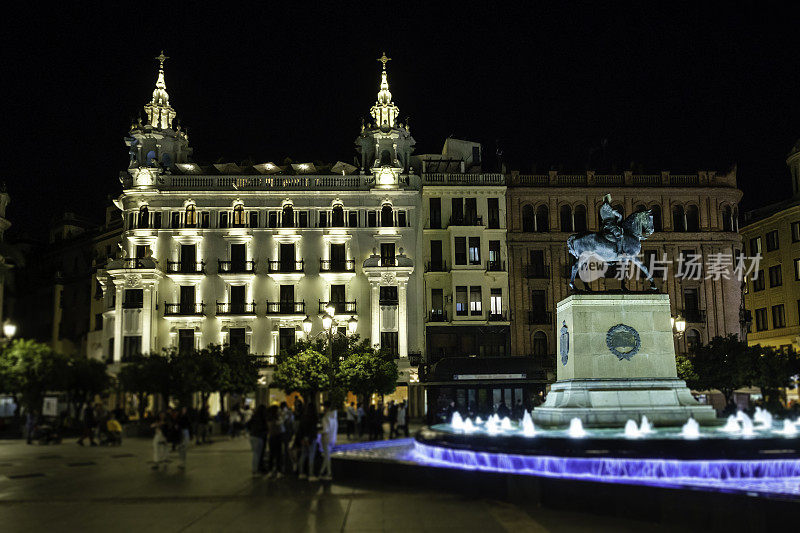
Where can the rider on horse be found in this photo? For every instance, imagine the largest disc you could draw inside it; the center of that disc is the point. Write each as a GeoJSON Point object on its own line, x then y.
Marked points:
{"type": "Point", "coordinates": [611, 218]}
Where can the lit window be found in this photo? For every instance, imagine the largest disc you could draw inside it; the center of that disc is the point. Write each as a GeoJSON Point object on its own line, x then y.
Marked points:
{"type": "Point", "coordinates": [475, 300]}
{"type": "Point", "coordinates": [496, 302]}
{"type": "Point", "coordinates": [238, 215]}
{"type": "Point", "coordinates": [190, 220]}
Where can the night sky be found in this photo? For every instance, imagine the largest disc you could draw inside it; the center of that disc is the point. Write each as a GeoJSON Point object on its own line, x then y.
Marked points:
{"type": "Point", "coordinates": [567, 86]}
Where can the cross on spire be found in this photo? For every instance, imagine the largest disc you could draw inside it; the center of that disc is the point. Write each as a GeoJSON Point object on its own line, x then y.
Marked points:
{"type": "Point", "coordinates": [383, 59]}
{"type": "Point", "coordinates": [161, 58]}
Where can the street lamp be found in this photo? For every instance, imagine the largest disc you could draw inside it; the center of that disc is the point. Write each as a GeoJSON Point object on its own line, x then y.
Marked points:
{"type": "Point", "coordinates": [307, 323]}
{"type": "Point", "coordinates": [327, 320]}
{"type": "Point", "coordinates": [9, 329]}
{"type": "Point", "coordinates": [678, 324]}
{"type": "Point", "coordinates": [352, 324]}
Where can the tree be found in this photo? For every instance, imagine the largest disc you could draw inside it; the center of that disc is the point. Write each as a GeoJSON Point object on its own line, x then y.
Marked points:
{"type": "Point", "coordinates": [239, 372]}
{"type": "Point", "coordinates": [368, 372]}
{"type": "Point", "coordinates": [725, 364]}
{"type": "Point", "coordinates": [306, 372]}
{"type": "Point", "coordinates": [133, 379]}
{"type": "Point", "coordinates": [30, 369]}
{"type": "Point", "coordinates": [686, 371]}
{"type": "Point", "coordinates": [84, 379]}
{"type": "Point", "coordinates": [148, 374]}
{"type": "Point", "coordinates": [772, 373]}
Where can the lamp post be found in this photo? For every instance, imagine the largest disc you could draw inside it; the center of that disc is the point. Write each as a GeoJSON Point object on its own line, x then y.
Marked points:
{"type": "Point", "coordinates": [328, 323]}
{"type": "Point", "coordinates": [9, 330]}
{"type": "Point", "coordinates": [678, 326]}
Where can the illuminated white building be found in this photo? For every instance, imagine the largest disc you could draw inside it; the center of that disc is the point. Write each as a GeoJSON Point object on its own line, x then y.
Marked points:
{"type": "Point", "coordinates": [231, 254]}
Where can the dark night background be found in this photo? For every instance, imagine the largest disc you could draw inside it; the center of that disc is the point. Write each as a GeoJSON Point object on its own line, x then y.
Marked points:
{"type": "Point", "coordinates": [568, 86]}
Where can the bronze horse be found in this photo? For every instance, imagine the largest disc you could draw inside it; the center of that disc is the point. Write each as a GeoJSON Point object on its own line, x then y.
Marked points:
{"type": "Point", "coordinates": [636, 228]}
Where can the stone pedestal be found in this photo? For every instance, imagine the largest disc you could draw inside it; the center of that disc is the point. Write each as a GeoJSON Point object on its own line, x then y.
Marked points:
{"type": "Point", "coordinates": [616, 361]}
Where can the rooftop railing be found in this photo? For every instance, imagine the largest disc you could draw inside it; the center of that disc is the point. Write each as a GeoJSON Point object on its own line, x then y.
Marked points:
{"type": "Point", "coordinates": [592, 179]}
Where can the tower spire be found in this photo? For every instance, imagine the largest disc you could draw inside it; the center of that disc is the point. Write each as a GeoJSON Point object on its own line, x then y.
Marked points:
{"type": "Point", "coordinates": [384, 111]}
{"type": "Point", "coordinates": [159, 113]}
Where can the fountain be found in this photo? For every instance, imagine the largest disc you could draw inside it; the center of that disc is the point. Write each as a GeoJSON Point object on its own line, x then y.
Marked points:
{"type": "Point", "coordinates": [478, 421]}
{"type": "Point", "coordinates": [763, 418]}
{"type": "Point", "coordinates": [528, 429]}
{"type": "Point", "coordinates": [747, 424]}
{"type": "Point", "coordinates": [789, 429]}
{"type": "Point", "coordinates": [469, 427]}
{"type": "Point", "coordinates": [505, 424]}
{"type": "Point", "coordinates": [732, 425]}
{"type": "Point", "coordinates": [645, 428]}
{"type": "Point", "coordinates": [576, 430]}
{"type": "Point", "coordinates": [632, 431]}
{"type": "Point", "coordinates": [456, 422]}
{"type": "Point", "coordinates": [691, 429]}
{"type": "Point", "coordinates": [492, 426]}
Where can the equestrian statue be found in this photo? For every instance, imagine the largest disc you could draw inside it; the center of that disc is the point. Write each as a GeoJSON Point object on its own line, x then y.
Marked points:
{"type": "Point", "coordinates": [618, 241]}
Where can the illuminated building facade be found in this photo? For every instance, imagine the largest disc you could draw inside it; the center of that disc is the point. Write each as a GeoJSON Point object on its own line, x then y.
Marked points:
{"type": "Point", "coordinates": [772, 298]}
{"type": "Point", "coordinates": [233, 254]}
{"type": "Point", "coordinates": [695, 215]}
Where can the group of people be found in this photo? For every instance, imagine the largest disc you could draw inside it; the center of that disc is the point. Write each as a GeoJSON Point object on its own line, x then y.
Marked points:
{"type": "Point", "coordinates": [97, 421]}
{"type": "Point", "coordinates": [171, 427]}
{"type": "Point", "coordinates": [286, 441]}
{"type": "Point", "coordinates": [370, 421]}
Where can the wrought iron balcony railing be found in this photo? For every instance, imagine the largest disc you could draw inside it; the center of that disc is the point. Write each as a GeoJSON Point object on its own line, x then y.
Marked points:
{"type": "Point", "coordinates": [236, 267]}
{"type": "Point", "coordinates": [538, 271]}
{"type": "Point", "coordinates": [436, 266]}
{"type": "Point", "coordinates": [694, 316]}
{"type": "Point", "coordinates": [437, 315]}
{"type": "Point", "coordinates": [285, 267]}
{"type": "Point", "coordinates": [236, 308]}
{"type": "Point", "coordinates": [186, 267]}
{"type": "Point", "coordinates": [337, 265]}
{"type": "Point", "coordinates": [497, 317]}
{"type": "Point", "coordinates": [184, 309]}
{"type": "Point", "coordinates": [540, 317]}
{"type": "Point", "coordinates": [495, 266]}
{"type": "Point", "coordinates": [286, 308]}
{"type": "Point", "coordinates": [339, 307]}
{"type": "Point", "coordinates": [466, 221]}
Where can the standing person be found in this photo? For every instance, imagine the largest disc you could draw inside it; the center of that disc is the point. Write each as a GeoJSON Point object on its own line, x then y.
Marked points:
{"type": "Point", "coordinates": [372, 424]}
{"type": "Point", "coordinates": [402, 418]}
{"type": "Point", "coordinates": [287, 416]}
{"type": "Point", "coordinates": [30, 425]}
{"type": "Point", "coordinates": [203, 419]}
{"type": "Point", "coordinates": [330, 427]}
{"type": "Point", "coordinates": [234, 422]}
{"type": "Point", "coordinates": [379, 417]}
{"type": "Point", "coordinates": [184, 435]}
{"type": "Point", "coordinates": [275, 439]}
{"type": "Point", "coordinates": [392, 412]}
{"type": "Point", "coordinates": [307, 433]}
{"type": "Point", "coordinates": [258, 436]}
{"type": "Point", "coordinates": [89, 423]}
{"type": "Point", "coordinates": [361, 415]}
{"type": "Point", "coordinates": [160, 440]}
{"type": "Point", "coordinates": [350, 411]}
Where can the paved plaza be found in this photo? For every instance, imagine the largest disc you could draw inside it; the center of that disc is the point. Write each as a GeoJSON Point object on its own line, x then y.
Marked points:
{"type": "Point", "coordinates": [69, 488]}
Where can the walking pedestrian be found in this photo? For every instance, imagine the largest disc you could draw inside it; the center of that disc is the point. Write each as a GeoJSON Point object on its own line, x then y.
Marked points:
{"type": "Point", "coordinates": [184, 435]}
{"type": "Point", "coordinates": [275, 439]}
{"type": "Point", "coordinates": [402, 418]}
{"type": "Point", "coordinates": [89, 423]}
{"type": "Point", "coordinates": [203, 419]}
{"type": "Point", "coordinates": [160, 440]}
{"type": "Point", "coordinates": [392, 416]}
{"type": "Point", "coordinates": [257, 428]}
{"type": "Point", "coordinates": [330, 427]}
{"type": "Point", "coordinates": [31, 419]}
{"type": "Point", "coordinates": [361, 416]}
{"type": "Point", "coordinates": [307, 432]}
{"type": "Point", "coordinates": [287, 417]}
{"type": "Point", "coordinates": [351, 414]}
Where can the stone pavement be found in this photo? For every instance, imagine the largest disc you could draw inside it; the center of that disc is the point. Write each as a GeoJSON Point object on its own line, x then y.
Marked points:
{"type": "Point", "coordinates": [71, 488]}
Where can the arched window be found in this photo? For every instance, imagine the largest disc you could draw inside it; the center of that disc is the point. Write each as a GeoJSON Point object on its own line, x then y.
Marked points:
{"type": "Point", "coordinates": [678, 218]}
{"type": "Point", "coordinates": [580, 218]}
{"type": "Point", "coordinates": [287, 217]}
{"type": "Point", "coordinates": [640, 207]}
{"type": "Point", "coordinates": [539, 344]}
{"type": "Point", "coordinates": [727, 218]}
{"type": "Point", "coordinates": [655, 210]}
{"type": "Point", "coordinates": [337, 220]}
{"type": "Point", "coordinates": [692, 340]}
{"type": "Point", "coordinates": [692, 218]}
{"type": "Point", "coordinates": [528, 224]}
{"type": "Point", "coordinates": [190, 218]}
{"type": "Point", "coordinates": [144, 217]}
{"type": "Point", "coordinates": [387, 218]}
{"type": "Point", "coordinates": [542, 219]}
{"type": "Point", "coordinates": [566, 218]}
{"type": "Point", "coordinates": [238, 215]}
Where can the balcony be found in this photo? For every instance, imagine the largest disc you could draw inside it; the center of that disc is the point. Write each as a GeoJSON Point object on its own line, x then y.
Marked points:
{"type": "Point", "coordinates": [339, 307]}
{"type": "Point", "coordinates": [236, 308]}
{"type": "Point", "coordinates": [694, 316]}
{"type": "Point", "coordinates": [387, 261]}
{"type": "Point", "coordinates": [436, 266]}
{"type": "Point", "coordinates": [539, 271]}
{"type": "Point", "coordinates": [497, 317]}
{"type": "Point", "coordinates": [285, 267]}
{"type": "Point", "coordinates": [186, 267]}
{"type": "Point", "coordinates": [437, 315]}
{"type": "Point", "coordinates": [340, 265]}
{"type": "Point", "coordinates": [495, 266]}
{"type": "Point", "coordinates": [388, 302]}
{"type": "Point", "coordinates": [237, 267]}
{"type": "Point", "coordinates": [540, 317]}
{"type": "Point", "coordinates": [184, 309]}
{"type": "Point", "coordinates": [286, 308]}
{"type": "Point", "coordinates": [466, 221]}
{"type": "Point", "coordinates": [135, 262]}
{"type": "Point", "coordinates": [265, 361]}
